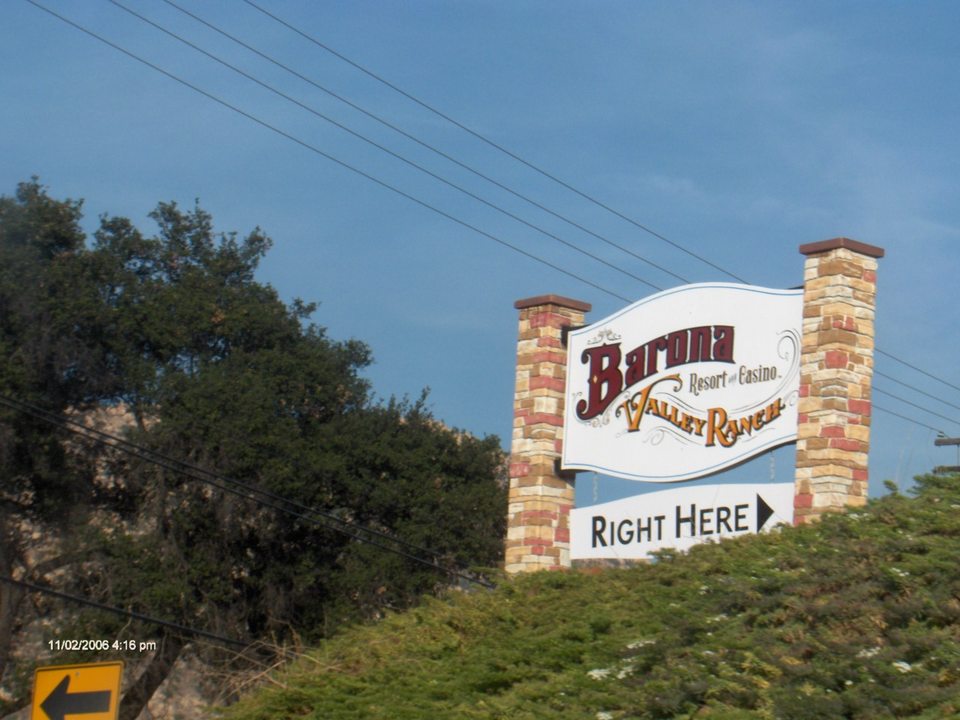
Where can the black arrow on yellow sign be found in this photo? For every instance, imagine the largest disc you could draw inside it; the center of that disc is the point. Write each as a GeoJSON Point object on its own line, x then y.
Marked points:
{"type": "Point", "coordinates": [61, 702]}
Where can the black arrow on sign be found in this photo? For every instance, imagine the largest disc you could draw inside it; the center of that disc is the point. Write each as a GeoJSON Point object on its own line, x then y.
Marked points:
{"type": "Point", "coordinates": [60, 702]}
{"type": "Point", "coordinates": [764, 512]}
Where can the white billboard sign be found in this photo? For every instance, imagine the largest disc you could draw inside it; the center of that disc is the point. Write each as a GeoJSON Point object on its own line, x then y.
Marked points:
{"type": "Point", "coordinates": [684, 383]}
{"type": "Point", "coordinates": [632, 528]}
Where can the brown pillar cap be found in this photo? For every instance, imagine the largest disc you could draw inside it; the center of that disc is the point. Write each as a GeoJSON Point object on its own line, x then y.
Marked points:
{"type": "Point", "coordinates": [553, 300]}
{"type": "Point", "coordinates": [841, 242]}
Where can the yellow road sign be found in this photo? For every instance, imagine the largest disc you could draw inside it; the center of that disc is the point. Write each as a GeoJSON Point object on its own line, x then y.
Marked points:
{"type": "Point", "coordinates": [84, 692]}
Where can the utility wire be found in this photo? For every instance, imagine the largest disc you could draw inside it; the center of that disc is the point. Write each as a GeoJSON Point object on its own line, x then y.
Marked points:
{"type": "Point", "coordinates": [913, 404]}
{"type": "Point", "coordinates": [423, 143]}
{"type": "Point", "coordinates": [916, 389]}
{"type": "Point", "coordinates": [904, 417]}
{"type": "Point", "coordinates": [328, 156]}
{"type": "Point", "coordinates": [126, 613]}
{"type": "Point", "coordinates": [241, 489]}
{"type": "Point", "coordinates": [383, 148]}
{"type": "Point", "coordinates": [528, 164]}
{"type": "Point", "coordinates": [919, 370]}
{"type": "Point", "coordinates": [401, 192]}
{"type": "Point", "coordinates": [490, 142]}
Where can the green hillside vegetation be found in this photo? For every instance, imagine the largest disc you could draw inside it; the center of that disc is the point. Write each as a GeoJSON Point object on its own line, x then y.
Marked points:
{"type": "Point", "coordinates": [856, 617]}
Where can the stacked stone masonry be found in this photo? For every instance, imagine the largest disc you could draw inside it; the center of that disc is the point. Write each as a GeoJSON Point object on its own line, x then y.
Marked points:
{"type": "Point", "coordinates": [540, 497]}
{"type": "Point", "coordinates": [836, 371]}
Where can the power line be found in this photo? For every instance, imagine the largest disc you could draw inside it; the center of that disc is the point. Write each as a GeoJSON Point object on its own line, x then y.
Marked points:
{"type": "Point", "coordinates": [393, 188]}
{"type": "Point", "coordinates": [919, 370]}
{"type": "Point", "coordinates": [525, 162]}
{"type": "Point", "coordinates": [904, 417]}
{"type": "Point", "coordinates": [328, 156]}
{"type": "Point", "coordinates": [916, 389]}
{"type": "Point", "coordinates": [385, 149]}
{"type": "Point", "coordinates": [245, 491]}
{"type": "Point", "coordinates": [424, 144]}
{"type": "Point", "coordinates": [913, 404]}
{"type": "Point", "coordinates": [222, 483]}
{"type": "Point", "coordinates": [126, 613]}
{"type": "Point", "coordinates": [490, 142]}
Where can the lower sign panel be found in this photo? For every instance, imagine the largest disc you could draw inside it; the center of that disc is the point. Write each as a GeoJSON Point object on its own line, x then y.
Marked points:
{"type": "Point", "coordinates": [77, 692]}
{"type": "Point", "coordinates": [632, 528]}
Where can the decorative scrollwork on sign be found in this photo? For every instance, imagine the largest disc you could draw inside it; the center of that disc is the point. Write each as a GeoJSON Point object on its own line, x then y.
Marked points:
{"type": "Point", "coordinates": [788, 347]}
{"type": "Point", "coordinates": [604, 335]}
{"type": "Point", "coordinates": [600, 420]}
{"type": "Point", "coordinates": [656, 436]}
{"type": "Point", "coordinates": [677, 400]}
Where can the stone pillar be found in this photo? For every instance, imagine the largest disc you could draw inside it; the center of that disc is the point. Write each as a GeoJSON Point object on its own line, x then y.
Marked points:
{"type": "Point", "coordinates": [836, 369]}
{"type": "Point", "coordinates": [540, 499]}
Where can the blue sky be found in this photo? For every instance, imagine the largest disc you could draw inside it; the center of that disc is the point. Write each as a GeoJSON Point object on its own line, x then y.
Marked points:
{"type": "Point", "coordinates": [738, 130]}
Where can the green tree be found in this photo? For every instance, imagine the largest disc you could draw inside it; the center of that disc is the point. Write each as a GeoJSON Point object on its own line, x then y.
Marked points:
{"type": "Point", "coordinates": [216, 370]}
{"type": "Point", "coordinates": [48, 355]}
